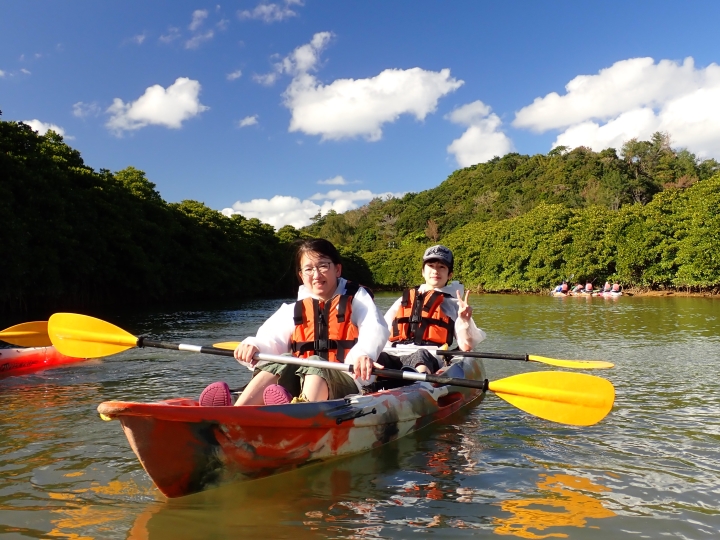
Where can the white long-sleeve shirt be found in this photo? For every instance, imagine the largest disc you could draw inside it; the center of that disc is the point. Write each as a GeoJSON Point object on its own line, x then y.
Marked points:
{"type": "Point", "coordinates": [467, 333]}
{"type": "Point", "coordinates": [273, 337]}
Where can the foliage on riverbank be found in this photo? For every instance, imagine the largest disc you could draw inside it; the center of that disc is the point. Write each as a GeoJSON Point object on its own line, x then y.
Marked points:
{"type": "Point", "coordinates": [672, 242]}
{"type": "Point", "coordinates": [74, 238]}
{"type": "Point", "coordinates": [645, 218]}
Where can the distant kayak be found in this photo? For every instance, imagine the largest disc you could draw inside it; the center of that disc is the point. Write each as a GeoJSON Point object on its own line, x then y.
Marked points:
{"type": "Point", "coordinates": [18, 361]}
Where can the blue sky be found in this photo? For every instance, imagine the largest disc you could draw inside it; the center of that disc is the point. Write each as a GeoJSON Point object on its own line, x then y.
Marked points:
{"type": "Point", "coordinates": [281, 109]}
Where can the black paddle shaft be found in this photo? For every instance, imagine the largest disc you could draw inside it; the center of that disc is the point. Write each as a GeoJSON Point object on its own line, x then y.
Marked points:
{"type": "Point", "coordinates": [475, 354]}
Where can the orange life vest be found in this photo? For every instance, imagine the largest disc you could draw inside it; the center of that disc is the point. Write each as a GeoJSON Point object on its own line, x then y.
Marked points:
{"type": "Point", "coordinates": [421, 320]}
{"type": "Point", "coordinates": [325, 329]}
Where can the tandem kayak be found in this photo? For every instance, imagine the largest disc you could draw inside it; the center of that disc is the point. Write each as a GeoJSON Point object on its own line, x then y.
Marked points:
{"type": "Point", "coordinates": [186, 448]}
{"type": "Point", "coordinates": [17, 361]}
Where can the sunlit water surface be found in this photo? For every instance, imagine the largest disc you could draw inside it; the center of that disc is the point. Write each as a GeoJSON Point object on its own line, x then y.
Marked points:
{"type": "Point", "coordinates": [651, 469]}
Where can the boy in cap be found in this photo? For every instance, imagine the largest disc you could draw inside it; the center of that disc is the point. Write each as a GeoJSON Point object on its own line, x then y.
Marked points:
{"type": "Point", "coordinates": [435, 313]}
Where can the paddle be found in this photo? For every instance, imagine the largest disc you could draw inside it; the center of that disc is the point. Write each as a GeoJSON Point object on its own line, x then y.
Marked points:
{"type": "Point", "coordinates": [574, 364]}
{"type": "Point", "coordinates": [30, 334]}
{"type": "Point", "coordinates": [568, 398]}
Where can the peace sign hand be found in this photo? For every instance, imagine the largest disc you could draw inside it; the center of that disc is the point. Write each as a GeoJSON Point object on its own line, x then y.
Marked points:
{"type": "Point", "coordinates": [464, 309]}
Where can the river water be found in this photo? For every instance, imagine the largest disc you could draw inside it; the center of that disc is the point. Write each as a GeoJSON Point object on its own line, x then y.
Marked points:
{"type": "Point", "coordinates": [651, 469]}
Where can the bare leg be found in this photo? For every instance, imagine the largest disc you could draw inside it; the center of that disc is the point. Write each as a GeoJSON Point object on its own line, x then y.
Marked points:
{"type": "Point", "coordinates": [315, 388]}
{"type": "Point", "coordinates": [253, 393]}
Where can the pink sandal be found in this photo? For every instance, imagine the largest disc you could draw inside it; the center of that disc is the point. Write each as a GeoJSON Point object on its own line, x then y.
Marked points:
{"type": "Point", "coordinates": [276, 395]}
{"type": "Point", "coordinates": [216, 395]}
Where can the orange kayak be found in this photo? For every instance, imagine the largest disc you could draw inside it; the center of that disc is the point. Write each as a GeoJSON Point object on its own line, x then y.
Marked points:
{"type": "Point", "coordinates": [187, 448]}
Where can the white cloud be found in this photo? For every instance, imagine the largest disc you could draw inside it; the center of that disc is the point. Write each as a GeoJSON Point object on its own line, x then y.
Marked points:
{"type": "Point", "coordinates": [222, 24]}
{"type": "Point", "coordinates": [83, 110]}
{"type": "Point", "coordinates": [173, 33]}
{"type": "Point", "coordinates": [42, 128]}
{"type": "Point", "coordinates": [198, 16]}
{"type": "Point", "coordinates": [2, 73]}
{"type": "Point", "coordinates": [483, 139]}
{"type": "Point", "coordinates": [283, 210]}
{"type": "Point", "coordinates": [25, 71]}
{"type": "Point", "coordinates": [234, 75]}
{"type": "Point", "coordinates": [337, 181]}
{"type": "Point", "coordinates": [267, 79]}
{"type": "Point", "coordinates": [165, 107]}
{"type": "Point", "coordinates": [137, 39]}
{"type": "Point", "coordinates": [349, 108]}
{"type": "Point", "coordinates": [248, 121]}
{"type": "Point", "coordinates": [634, 98]}
{"type": "Point", "coordinates": [195, 41]}
{"type": "Point", "coordinates": [269, 12]}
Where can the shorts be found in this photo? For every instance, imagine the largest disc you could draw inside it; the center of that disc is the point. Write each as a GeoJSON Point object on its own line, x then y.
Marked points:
{"type": "Point", "coordinates": [391, 361]}
{"type": "Point", "coordinates": [421, 357]}
{"type": "Point", "coordinates": [292, 377]}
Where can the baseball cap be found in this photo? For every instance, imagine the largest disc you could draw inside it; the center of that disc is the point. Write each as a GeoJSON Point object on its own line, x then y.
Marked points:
{"type": "Point", "coordinates": [439, 253]}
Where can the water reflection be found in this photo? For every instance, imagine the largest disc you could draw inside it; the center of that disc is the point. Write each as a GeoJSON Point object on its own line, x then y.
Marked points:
{"type": "Point", "coordinates": [567, 504]}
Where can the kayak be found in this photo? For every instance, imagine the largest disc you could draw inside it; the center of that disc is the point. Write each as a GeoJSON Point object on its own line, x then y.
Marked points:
{"type": "Point", "coordinates": [609, 294]}
{"type": "Point", "coordinates": [186, 448]}
{"type": "Point", "coordinates": [17, 361]}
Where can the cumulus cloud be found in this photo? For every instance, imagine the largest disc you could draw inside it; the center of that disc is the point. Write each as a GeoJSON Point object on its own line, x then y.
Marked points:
{"type": "Point", "coordinates": [159, 106]}
{"type": "Point", "coordinates": [83, 110]}
{"type": "Point", "coordinates": [634, 98]}
{"type": "Point", "coordinates": [234, 75]}
{"type": "Point", "coordinates": [198, 16]}
{"type": "Point", "coordinates": [2, 73]}
{"type": "Point", "coordinates": [270, 12]}
{"type": "Point", "coordinates": [337, 181]}
{"type": "Point", "coordinates": [25, 71]}
{"type": "Point", "coordinates": [248, 121]}
{"type": "Point", "coordinates": [284, 210]}
{"type": "Point", "coordinates": [42, 127]}
{"type": "Point", "coordinates": [483, 139]}
{"type": "Point", "coordinates": [349, 108]}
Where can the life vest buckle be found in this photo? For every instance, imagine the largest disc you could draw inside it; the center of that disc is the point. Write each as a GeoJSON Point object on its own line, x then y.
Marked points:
{"type": "Point", "coordinates": [322, 345]}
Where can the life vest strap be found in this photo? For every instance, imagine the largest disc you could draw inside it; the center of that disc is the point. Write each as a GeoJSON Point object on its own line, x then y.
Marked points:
{"type": "Point", "coordinates": [320, 347]}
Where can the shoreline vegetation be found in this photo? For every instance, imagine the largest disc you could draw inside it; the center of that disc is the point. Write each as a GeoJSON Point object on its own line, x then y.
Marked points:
{"type": "Point", "coordinates": [76, 239]}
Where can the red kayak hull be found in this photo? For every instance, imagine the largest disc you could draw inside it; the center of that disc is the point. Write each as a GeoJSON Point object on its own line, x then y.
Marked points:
{"type": "Point", "coordinates": [23, 361]}
{"type": "Point", "coordinates": [186, 448]}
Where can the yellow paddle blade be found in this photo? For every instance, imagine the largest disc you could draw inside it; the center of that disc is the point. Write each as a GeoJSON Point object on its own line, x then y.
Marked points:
{"type": "Point", "coordinates": [578, 364]}
{"type": "Point", "coordinates": [81, 336]}
{"type": "Point", "coordinates": [229, 345]}
{"type": "Point", "coordinates": [560, 396]}
{"type": "Point", "coordinates": [29, 334]}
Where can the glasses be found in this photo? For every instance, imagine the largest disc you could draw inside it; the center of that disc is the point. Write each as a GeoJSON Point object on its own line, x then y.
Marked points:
{"type": "Point", "coordinates": [321, 268]}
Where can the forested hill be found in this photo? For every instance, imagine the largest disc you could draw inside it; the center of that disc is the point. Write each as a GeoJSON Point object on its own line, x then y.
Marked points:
{"type": "Point", "coordinates": [510, 186]}
{"type": "Point", "coordinates": [527, 222]}
{"type": "Point", "coordinates": [74, 238]}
